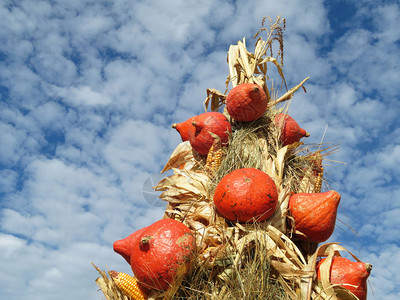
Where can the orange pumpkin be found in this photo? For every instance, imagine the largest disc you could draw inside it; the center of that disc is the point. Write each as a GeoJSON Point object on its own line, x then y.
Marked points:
{"type": "Point", "coordinates": [246, 195]}
{"type": "Point", "coordinates": [348, 274]}
{"type": "Point", "coordinates": [162, 251]}
{"type": "Point", "coordinates": [125, 246]}
{"type": "Point", "coordinates": [291, 132]}
{"type": "Point", "coordinates": [246, 102]}
{"type": "Point", "coordinates": [314, 214]}
{"type": "Point", "coordinates": [206, 127]}
{"type": "Point", "coordinates": [184, 127]}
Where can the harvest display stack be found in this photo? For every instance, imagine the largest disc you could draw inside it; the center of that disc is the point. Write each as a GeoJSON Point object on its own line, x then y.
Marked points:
{"type": "Point", "coordinates": [247, 208]}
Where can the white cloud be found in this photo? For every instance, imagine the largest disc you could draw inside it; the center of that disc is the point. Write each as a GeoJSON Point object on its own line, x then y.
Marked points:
{"type": "Point", "coordinates": [384, 275]}
{"type": "Point", "coordinates": [10, 245]}
{"type": "Point", "coordinates": [8, 180]}
{"type": "Point", "coordinates": [374, 48]}
{"type": "Point", "coordinates": [390, 158]}
{"type": "Point", "coordinates": [82, 95]}
{"type": "Point", "coordinates": [13, 75]}
{"type": "Point", "coordinates": [54, 67]}
{"type": "Point", "coordinates": [138, 145]}
{"type": "Point", "coordinates": [17, 223]}
{"type": "Point", "coordinates": [11, 146]}
{"type": "Point", "coordinates": [386, 18]}
{"type": "Point", "coordinates": [50, 115]}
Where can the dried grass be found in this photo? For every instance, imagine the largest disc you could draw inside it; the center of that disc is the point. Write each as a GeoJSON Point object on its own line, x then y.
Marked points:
{"type": "Point", "coordinates": [253, 279]}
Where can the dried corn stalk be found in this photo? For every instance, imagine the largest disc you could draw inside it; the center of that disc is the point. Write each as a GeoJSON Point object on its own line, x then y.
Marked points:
{"type": "Point", "coordinates": [108, 286]}
{"type": "Point", "coordinates": [245, 66]}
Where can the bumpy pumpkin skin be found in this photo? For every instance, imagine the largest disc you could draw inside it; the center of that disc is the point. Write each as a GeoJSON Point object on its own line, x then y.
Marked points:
{"type": "Point", "coordinates": [246, 195]}
{"type": "Point", "coordinates": [246, 102]}
{"type": "Point", "coordinates": [291, 131]}
{"type": "Point", "coordinates": [346, 273]}
{"type": "Point", "coordinates": [314, 214]}
{"type": "Point", "coordinates": [125, 246]}
{"type": "Point", "coordinates": [164, 250]}
{"type": "Point", "coordinates": [214, 122]}
{"type": "Point", "coordinates": [184, 127]}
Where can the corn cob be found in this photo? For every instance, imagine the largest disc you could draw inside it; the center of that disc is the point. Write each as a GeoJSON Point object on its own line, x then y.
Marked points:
{"type": "Point", "coordinates": [129, 285]}
{"type": "Point", "coordinates": [318, 181]}
{"type": "Point", "coordinates": [214, 158]}
{"type": "Point", "coordinates": [318, 172]}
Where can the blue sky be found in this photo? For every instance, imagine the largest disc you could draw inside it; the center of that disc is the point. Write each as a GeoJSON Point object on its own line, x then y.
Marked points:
{"type": "Point", "coordinates": [89, 89]}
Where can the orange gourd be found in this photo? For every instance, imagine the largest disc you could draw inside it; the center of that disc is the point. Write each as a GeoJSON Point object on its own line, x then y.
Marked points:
{"type": "Point", "coordinates": [161, 252]}
{"type": "Point", "coordinates": [184, 127]}
{"type": "Point", "coordinates": [314, 214]}
{"type": "Point", "coordinates": [348, 274]}
{"type": "Point", "coordinates": [246, 195]}
{"type": "Point", "coordinates": [206, 127]}
{"type": "Point", "coordinates": [291, 132]}
{"type": "Point", "coordinates": [125, 246]}
{"type": "Point", "coordinates": [246, 102]}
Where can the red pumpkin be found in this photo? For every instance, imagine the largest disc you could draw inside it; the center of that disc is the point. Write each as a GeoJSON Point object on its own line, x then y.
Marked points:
{"type": "Point", "coordinates": [246, 195]}
{"type": "Point", "coordinates": [246, 102]}
{"type": "Point", "coordinates": [206, 126]}
{"type": "Point", "coordinates": [124, 247]}
{"type": "Point", "coordinates": [291, 131]}
{"type": "Point", "coordinates": [162, 251]}
{"type": "Point", "coordinates": [350, 275]}
{"type": "Point", "coordinates": [184, 127]}
{"type": "Point", "coordinates": [314, 214]}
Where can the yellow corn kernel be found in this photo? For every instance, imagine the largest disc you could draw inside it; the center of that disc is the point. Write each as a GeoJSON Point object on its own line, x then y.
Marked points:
{"type": "Point", "coordinates": [210, 157]}
{"type": "Point", "coordinates": [217, 159]}
{"type": "Point", "coordinates": [214, 158]}
{"type": "Point", "coordinates": [318, 180]}
{"type": "Point", "coordinates": [317, 170]}
{"type": "Point", "coordinates": [129, 285]}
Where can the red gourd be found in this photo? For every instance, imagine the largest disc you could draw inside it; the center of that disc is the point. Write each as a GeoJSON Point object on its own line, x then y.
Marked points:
{"type": "Point", "coordinates": [246, 102]}
{"type": "Point", "coordinates": [163, 251]}
{"type": "Point", "coordinates": [314, 214]}
{"type": "Point", "coordinates": [207, 126]}
{"type": "Point", "coordinates": [348, 274]}
{"type": "Point", "coordinates": [124, 247]}
{"type": "Point", "coordinates": [246, 195]}
{"type": "Point", "coordinates": [184, 127]}
{"type": "Point", "coordinates": [291, 132]}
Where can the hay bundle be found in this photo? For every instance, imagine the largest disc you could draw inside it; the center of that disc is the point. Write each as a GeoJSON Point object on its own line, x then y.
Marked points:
{"type": "Point", "coordinates": [263, 260]}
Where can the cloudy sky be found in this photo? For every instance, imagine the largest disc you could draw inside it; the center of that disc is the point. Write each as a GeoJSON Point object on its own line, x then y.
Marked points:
{"type": "Point", "coordinates": [89, 89]}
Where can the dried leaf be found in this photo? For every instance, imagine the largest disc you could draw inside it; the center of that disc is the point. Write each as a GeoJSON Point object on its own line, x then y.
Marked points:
{"type": "Point", "coordinates": [215, 99]}
{"type": "Point", "coordinates": [289, 94]}
{"type": "Point", "coordinates": [276, 63]}
{"type": "Point", "coordinates": [233, 55]}
{"type": "Point", "coordinates": [325, 268]}
{"type": "Point", "coordinates": [182, 154]}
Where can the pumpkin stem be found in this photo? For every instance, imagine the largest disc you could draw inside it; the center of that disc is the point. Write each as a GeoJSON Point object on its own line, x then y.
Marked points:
{"type": "Point", "coordinates": [198, 125]}
{"type": "Point", "coordinates": [146, 239]}
{"type": "Point", "coordinates": [368, 267]}
{"type": "Point", "coordinates": [144, 243]}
